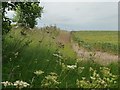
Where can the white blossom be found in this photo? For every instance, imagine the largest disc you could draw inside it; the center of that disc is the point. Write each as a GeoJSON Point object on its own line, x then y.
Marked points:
{"type": "Point", "coordinates": [39, 72]}
{"type": "Point", "coordinates": [56, 55]}
{"type": "Point", "coordinates": [6, 83]}
{"type": "Point", "coordinates": [21, 84]}
{"type": "Point", "coordinates": [71, 66]}
{"type": "Point", "coordinates": [17, 84]}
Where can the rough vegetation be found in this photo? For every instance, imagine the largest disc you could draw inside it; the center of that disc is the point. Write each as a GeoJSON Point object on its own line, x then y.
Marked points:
{"type": "Point", "coordinates": [105, 41]}
{"type": "Point", "coordinates": [44, 58]}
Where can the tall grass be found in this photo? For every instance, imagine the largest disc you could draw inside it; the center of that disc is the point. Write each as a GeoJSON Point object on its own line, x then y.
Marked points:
{"type": "Point", "coordinates": [36, 58]}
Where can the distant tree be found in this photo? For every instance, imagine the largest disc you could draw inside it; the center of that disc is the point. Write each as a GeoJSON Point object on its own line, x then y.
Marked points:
{"type": "Point", "coordinates": [26, 14]}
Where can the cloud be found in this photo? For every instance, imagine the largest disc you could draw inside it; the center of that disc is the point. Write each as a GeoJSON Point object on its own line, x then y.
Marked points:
{"type": "Point", "coordinates": [80, 15]}
{"type": "Point", "coordinates": [80, 0]}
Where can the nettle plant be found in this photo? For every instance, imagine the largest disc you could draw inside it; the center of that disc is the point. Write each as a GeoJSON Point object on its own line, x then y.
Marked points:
{"type": "Point", "coordinates": [106, 80]}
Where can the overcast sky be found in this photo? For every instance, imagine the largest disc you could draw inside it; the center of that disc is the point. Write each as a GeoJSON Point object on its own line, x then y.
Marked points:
{"type": "Point", "coordinates": [80, 15]}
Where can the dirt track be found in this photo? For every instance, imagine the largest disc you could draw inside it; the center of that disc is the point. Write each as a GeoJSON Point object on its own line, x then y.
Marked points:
{"type": "Point", "coordinates": [64, 37]}
{"type": "Point", "coordinates": [100, 57]}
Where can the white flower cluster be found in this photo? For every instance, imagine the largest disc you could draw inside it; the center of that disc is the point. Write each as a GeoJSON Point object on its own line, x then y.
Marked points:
{"type": "Point", "coordinates": [21, 84]}
{"type": "Point", "coordinates": [79, 60]}
{"type": "Point", "coordinates": [7, 83]}
{"type": "Point", "coordinates": [50, 81]}
{"type": "Point", "coordinates": [68, 67]}
{"type": "Point", "coordinates": [59, 58]}
{"type": "Point", "coordinates": [39, 72]}
{"type": "Point", "coordinates": [96, 81]}
{"type": "Point", "coordinates": [71, 66]}
{"type": "Point", "coordinates": [56, 55]}
{"type": "Point", "coordinates": [17, 84]}
{"type": "Point", "coordinates": [80, 69]}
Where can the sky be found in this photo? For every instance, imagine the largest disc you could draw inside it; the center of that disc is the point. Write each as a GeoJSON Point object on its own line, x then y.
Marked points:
{"type": "Point", "coordinates": [77, 15]}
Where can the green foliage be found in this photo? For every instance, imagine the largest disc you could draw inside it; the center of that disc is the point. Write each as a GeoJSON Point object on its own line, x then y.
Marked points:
{"type": "Point", "coordinates": [6, 27]}
{"type": "Point", "coordinates": [41, 63]}
{"type": "Point", "coordinates": [106, 41]}
{"type": "Point", "coordinates": [27, 12]}
{"type": "Point", "coordinates": [6, 23]}
{"type": "Point", "coordinates": [107, 80]}
{"type": "Point", "coordinates": [50, 81]}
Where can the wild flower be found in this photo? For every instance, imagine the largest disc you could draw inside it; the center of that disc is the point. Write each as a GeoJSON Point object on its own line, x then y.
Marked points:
{"type": "Point", "coordinates": [50, 81]}
{"type": "Point", "coordinates": [71, 66]}
{"type": "Point", "coordinates": [59, 57]}
{"type": "Point", "coordinates": [63, 67]}
{"type": "Point", "coordinates": [80, 69]}
{"type": "Point", "coordinates": [83, 78]}
{"type": "Point", "coordinates": [7, 83]}
{"type": "Point", "coordinates": [21, 84]}
{"type": "Point", "coordinates": [17, 84]}
{"type": "Point", "coordinates": [16, 53]}
{"type": "Point", "coordinates": [103, 82]}
{"type": "Point", "coordinates": [53, 74]}
{"type": "Point", "coordinates": [79, 60]}
{"type": "Point", "coordinates": [92, 78]}
{"type": "Point", "coordinates": [39, 72]}
{"type": "Point", "coordinates": [105, 71]}
{"type": "Point", "coordinates": [82, 83]}
{"type": "Point", "coordinates": [56, 55]}
{"type": "Point", "coordinates": [96, 81]}
{"type": "Point", "coordinates": [91, 69]}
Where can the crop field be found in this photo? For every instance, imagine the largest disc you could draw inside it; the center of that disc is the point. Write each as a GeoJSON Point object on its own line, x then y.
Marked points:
{"type": "Point", "coordinates": [44, 58]}
{"type": "Point", "coordinates": [106, 41]}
